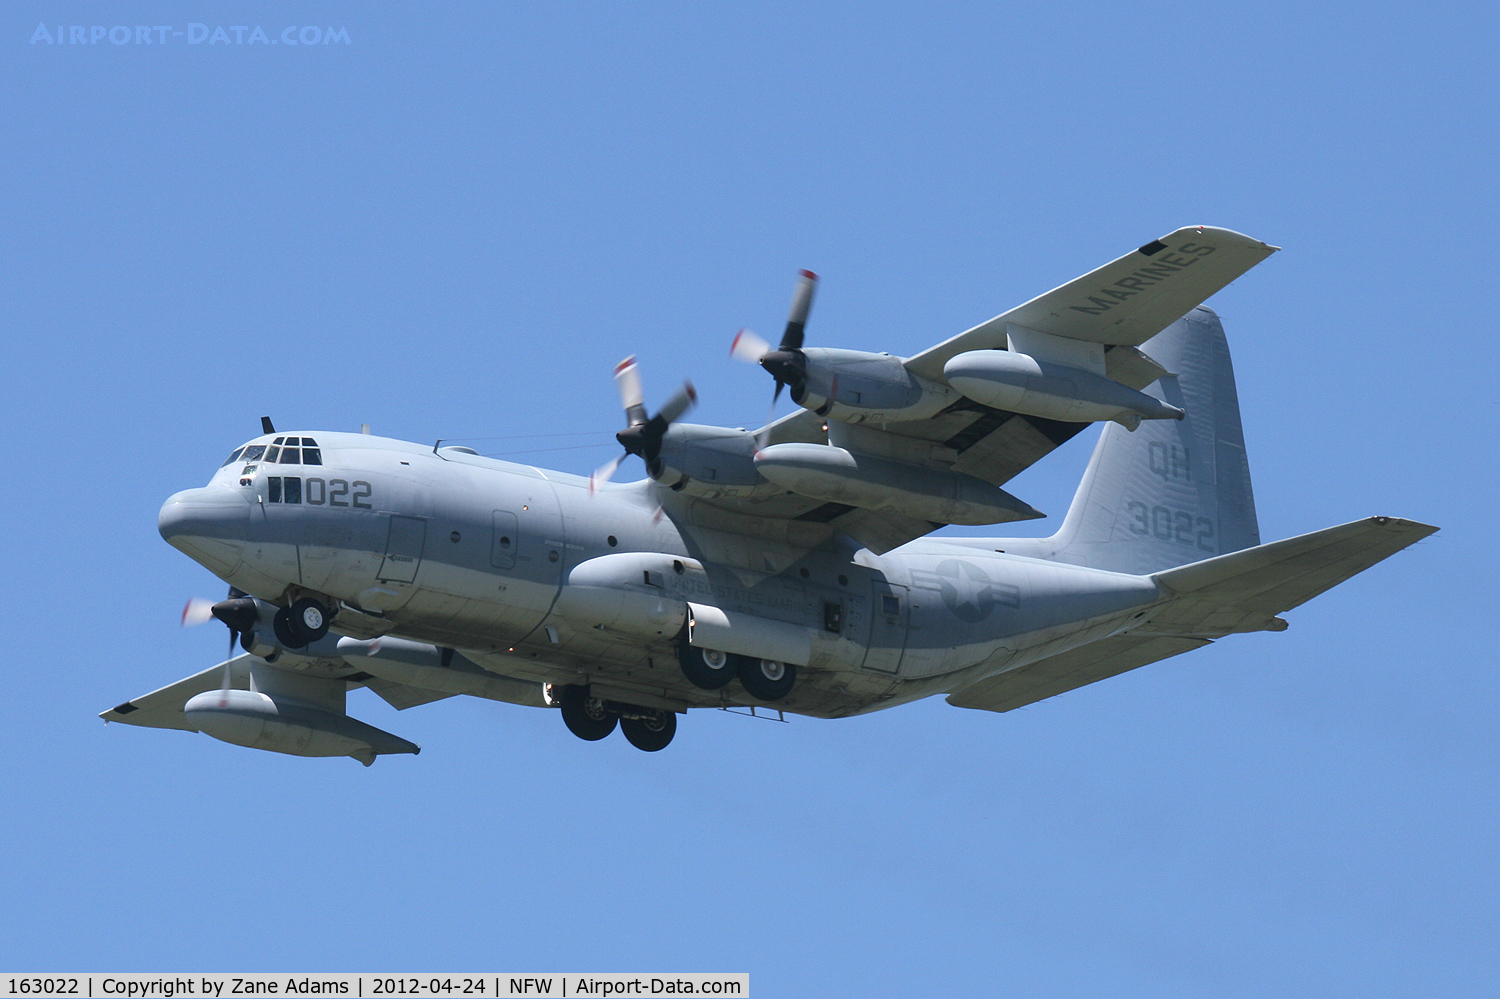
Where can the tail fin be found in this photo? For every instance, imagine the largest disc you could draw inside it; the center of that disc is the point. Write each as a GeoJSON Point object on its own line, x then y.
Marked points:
{"type": "Point", "coordinates": [1172, 491]}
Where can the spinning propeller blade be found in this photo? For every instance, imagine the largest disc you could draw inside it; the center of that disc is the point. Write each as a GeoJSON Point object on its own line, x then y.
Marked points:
{"type": "Point", "coordinates": [632, 396]}
{"type": "Point", "coordinates": [642, 435]}
{"type": "Point", "coordinates": [748, 347]}
{"type": "Point", "coordinates": [197, 611]}
{"type": "Point", "coordinates": [796, 320]}
{"type": "Point", "coordinates": [785, 363]}
{"type": "Point", "coordinates": [604, 473]}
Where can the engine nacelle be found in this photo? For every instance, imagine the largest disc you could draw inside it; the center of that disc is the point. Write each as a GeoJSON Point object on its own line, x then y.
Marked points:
{"type": "Point", "coordinates": [1020, 383]}
{"type": "Point", "coordinates": [257, 721]}
{"type": "Point", "coordinates": [855, 386]}
{"type": "Point", "coordinates": [831, 473]}
{"type": "Point", "coordinates": [708, 461]}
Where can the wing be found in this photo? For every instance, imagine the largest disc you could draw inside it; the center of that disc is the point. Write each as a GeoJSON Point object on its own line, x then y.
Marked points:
{"type": "Point", "coordinates": [1126, 302]}
{"type": "Point", "coordinates": [401, 684]}
{"type": "Point", "coordinates": [1095, 322]}
{"type": "Point", "coordinates": [162, 708]}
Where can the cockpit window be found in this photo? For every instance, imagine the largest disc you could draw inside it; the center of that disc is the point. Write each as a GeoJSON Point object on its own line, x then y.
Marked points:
{"type": "Point", "coordinates": [285, 451]}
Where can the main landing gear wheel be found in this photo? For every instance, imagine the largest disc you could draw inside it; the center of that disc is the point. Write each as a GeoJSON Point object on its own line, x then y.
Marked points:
{"type": "Point", "coordinates": [706, 669]}
{"type": "Point", "coordinates": [304, 622]}
{"type": "Point", "coordinates": [766, 679]}
{"type": "Point", "coordinates": [650, 734]}
{"type": "Point", "coordinates": [586, 716]}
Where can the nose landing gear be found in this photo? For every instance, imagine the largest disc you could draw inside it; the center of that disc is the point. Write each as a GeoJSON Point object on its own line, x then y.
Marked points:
{"type": "Point", "coordinates": [304, 622]}
{"type": "Point", "coordinates": [592, 718]}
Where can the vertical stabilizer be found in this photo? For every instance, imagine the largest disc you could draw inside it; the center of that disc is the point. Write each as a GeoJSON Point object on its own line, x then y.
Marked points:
{"type": "Point", "coordinates": [1171, 492]}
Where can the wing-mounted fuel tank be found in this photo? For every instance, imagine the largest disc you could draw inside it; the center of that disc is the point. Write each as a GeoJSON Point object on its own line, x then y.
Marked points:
{"type": "Point", "coordinates": [291, 713]}
{"type": "Point", "coordinates": [1052, 377]}
{"type": "Point", "coordinates": [838, 475]}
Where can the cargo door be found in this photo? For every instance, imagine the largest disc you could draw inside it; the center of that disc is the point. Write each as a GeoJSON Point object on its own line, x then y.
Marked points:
{"type": "Point", "coordinates": [888, 610]}
{"type": "Point", "coordinates": [403, 549]}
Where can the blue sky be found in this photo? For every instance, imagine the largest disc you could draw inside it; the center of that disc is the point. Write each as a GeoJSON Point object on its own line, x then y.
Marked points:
{"type": "Point", "coordinates": [456, 224]}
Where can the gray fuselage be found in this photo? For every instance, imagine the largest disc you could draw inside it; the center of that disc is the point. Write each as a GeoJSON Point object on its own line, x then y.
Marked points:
{"type": "Point", "coordinates": [476, 554]}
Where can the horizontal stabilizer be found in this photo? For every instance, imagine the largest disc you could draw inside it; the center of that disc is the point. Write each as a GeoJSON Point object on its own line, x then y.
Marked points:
{"type": "Point", "coordinates": [1069, 670]}
{"type": "Point", "coordinates": [1245, 590]}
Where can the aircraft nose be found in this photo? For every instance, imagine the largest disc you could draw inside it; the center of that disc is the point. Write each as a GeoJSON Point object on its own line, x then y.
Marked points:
{"type": "Point", "coordinates": [209, 525]}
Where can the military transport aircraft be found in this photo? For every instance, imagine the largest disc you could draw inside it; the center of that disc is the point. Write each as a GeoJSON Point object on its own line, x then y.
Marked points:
{"type": "Point", "coordinates": [788, 567]}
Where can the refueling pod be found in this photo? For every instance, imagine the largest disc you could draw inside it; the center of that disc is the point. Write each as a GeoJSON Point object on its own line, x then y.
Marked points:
{"type": "Point", "coordinates": [1020, 383]}
{"type": "Point", "coordinates": [258, 721]}
{"type": "Point", "coordinates": [831, 473]}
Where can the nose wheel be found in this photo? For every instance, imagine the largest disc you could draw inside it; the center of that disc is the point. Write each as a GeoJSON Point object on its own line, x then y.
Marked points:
{"type": "Point", "coordinates": [304, 622]}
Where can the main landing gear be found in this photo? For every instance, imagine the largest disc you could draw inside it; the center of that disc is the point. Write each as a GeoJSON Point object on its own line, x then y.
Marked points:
{"type": "Point", "coordinates": [591, 718]}
{"type": "Point", "coordinates": [710, 669]}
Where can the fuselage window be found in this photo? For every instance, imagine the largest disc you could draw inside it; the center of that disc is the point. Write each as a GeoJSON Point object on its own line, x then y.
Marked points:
{"type": "Point", "coordinates": [283, 490]}
{"type": "Point", "coordinates": [253, 452]}
{"type": "Point", "coordinates": [291, 456]}
{"type": "Point", "coordinates": [232, 458]}
{"type": "Point", "coordinates": [311, 455]}
{"type": "Point", "coordinates": [271, 455]}
{"type": "Point", "coordinates": [279, 440]}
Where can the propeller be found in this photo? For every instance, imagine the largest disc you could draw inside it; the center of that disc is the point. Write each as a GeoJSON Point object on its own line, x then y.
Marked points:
{"type": "Point", "coordinates": [785, 363]}
{"type": "Point", "coordinates": [642, 436]}
{"type": "Point", "coordinates": [238, 612]}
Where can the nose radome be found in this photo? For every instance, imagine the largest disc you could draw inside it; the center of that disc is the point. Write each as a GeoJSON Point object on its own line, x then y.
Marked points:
{"type": "Point", "coordinates": [204, 512]}
{"type": "Point", "coordinates": [209, 525]}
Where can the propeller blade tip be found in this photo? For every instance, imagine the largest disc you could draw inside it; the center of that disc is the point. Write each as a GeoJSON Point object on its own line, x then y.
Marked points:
{"type": "Point", "coordinates": [809, 275]}
{"type": "Point", "coordinates": [196, 611]}
{"type": "Point", "coordinates": [748, 346]}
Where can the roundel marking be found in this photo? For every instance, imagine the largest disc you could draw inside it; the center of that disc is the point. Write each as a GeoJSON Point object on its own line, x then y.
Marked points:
{"type": "Point", "coordinates": [967, 591]}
